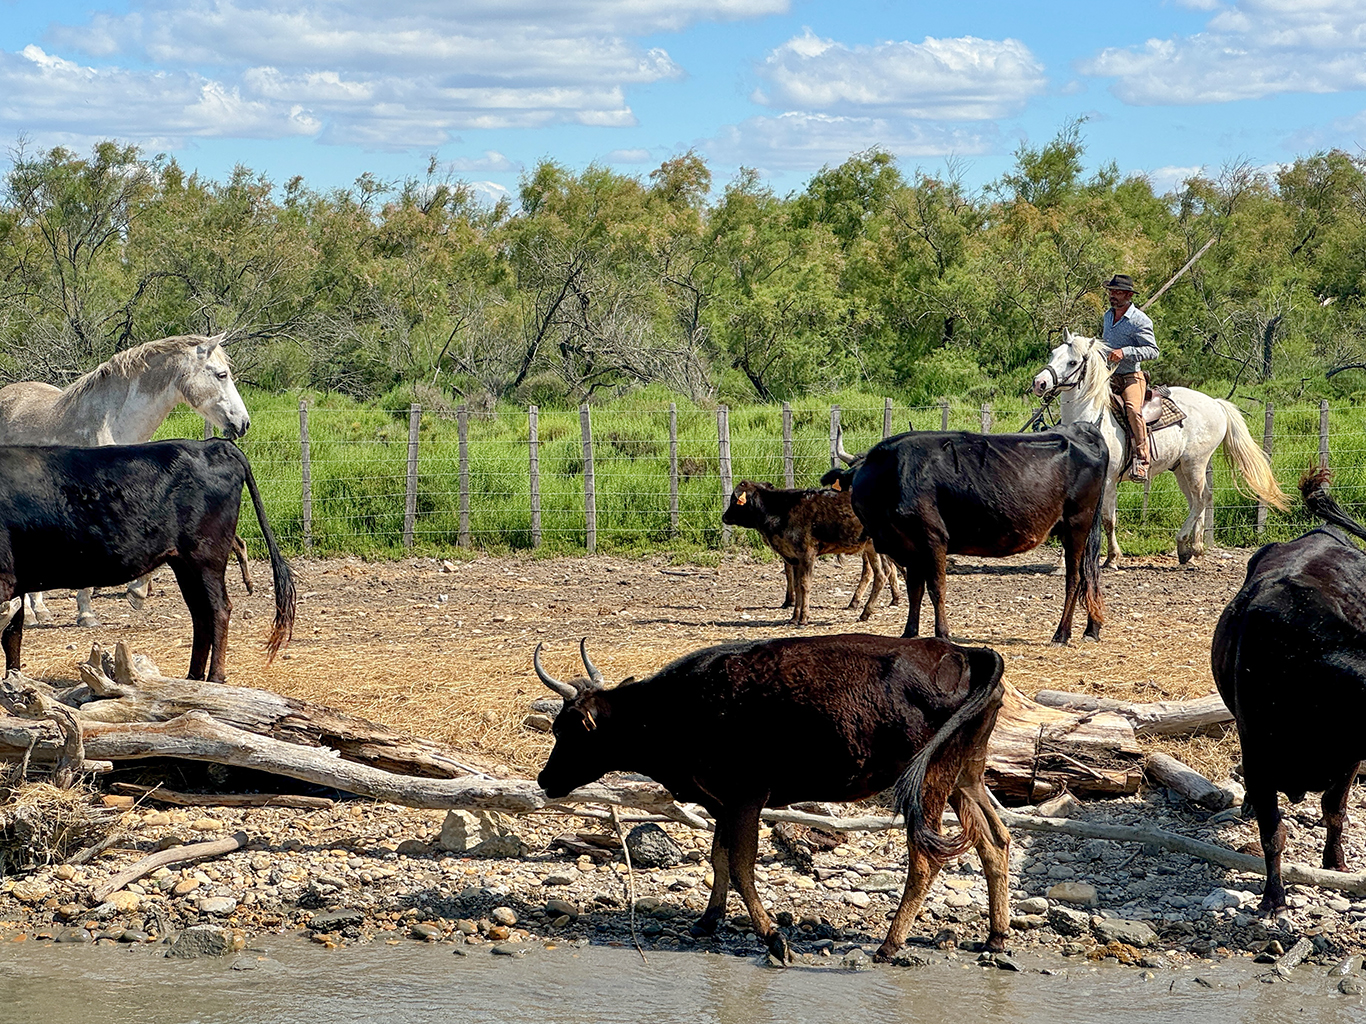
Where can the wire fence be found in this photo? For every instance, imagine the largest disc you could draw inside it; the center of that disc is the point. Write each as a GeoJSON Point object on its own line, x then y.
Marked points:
{"type": "Point", "coordinates": [383, 482]}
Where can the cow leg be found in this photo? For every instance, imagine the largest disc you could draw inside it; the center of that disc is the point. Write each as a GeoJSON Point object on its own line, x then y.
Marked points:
{"type": "Point", "coordinates": [1073, 550]}
{"type": "Point", "coordinates": [791, 598]}
{"type": "Point", "coordinates": [744, 850]}
{"type": "Point", "coordinates": [973, 802]}
{"type": "Point", "coordinates": [85, 608]}
{"type": "Point", "coordinates": [866, 575]}
{"type": "Point", "coordinates": [803, 568]}
{"type": "Point", "coordinates": [720, 881]}
{"type": "Point", "coordinates": [920, 872]}
{"type": "Point", "coordinates": [915, 594]}
{"type": "Point", "coordinates": [889, 570]}
{"type": "Point", "coordinates": [206, 597]}
{"type": "Point", "coordinates": [1271, 828]}
{"type": "Point", "coordinates": [936, 578]}
{"type": "Point", "coordinates": [13, 636]}
{"type": "Point", "coordinates": [1335, 817]}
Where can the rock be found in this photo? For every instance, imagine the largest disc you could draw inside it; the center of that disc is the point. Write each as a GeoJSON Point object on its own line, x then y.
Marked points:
{"type": "Point", "coordinates": [466, 927]}
{"type": "Point", "coordinates": [958, 900]}
{"type": "Point", "coordinates": [1351, 987]}
{"type": "Point", "coordinates": [65, 872]}
{"type": "Point", "coordinates": [124, 902]}
{"type": "Point", "coordinates": [206, 940]}
{"type": "Point", "coordinates": [123, 803]}
{"type": "Point", "coordinates": [553, 880]}
{"type": "Point", "coordinates": [134, 935]}
{"type": "Point", "coordinates": [504, 916]}
{"type": "Point", "coordinates": [413, 848]}
{"type": "Point", "coordinates": [217, 906]}
{"type": "Point", "coordinates": [1093, 850]}
{"type": "Point", "coordinates": [1027, 922]}
{"type": "Point", "coordinates": [509, 949]}
{"type": "Point", "coordinates": [1130, 933]}
{"type": "Point", "coordinates": [462, 829]}
{"type": "Point", "coordinates": [206, 825]}
{"type": "Point", "coordinates": [1033, 905]}
{"type": "Point", "coordinates": [1219, 899]}
{"type": "Point", "coordinates": [1082, 894]}
{"type": "Point", "coordinates": [537, 723]}
{"type": "Point", "coordinates": [335, 920]}
{"type": "Point", "coordinates": [1064, 805]}
{"type": "Point", "coordinates": [856, 960]}
{"type": "Point", "coordinates": [500, 846]}
{"type": "Point", "coordinates": [904, 959]}
{"type": "Point", "coordinates": [32, 891]}
{"type": "Point", "coordinates": [72, 935]}
{"type": "Point", "coordinates": [1068, 922]}
{"type": "Point", "coordinates": [561, 908]}
{"type": "Point", "coordinates": [651, 847]}
{"type": "Point", "coordinates": [184, 886]}
{"type": "Point", "coordinates": [883, 881]}
{"type": "Point", "coordinates": [858, 899]}
{"type": "Point", "coordinates": [426, 932]}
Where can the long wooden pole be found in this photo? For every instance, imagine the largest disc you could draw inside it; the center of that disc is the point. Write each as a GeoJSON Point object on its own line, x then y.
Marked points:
{"type": "Point", "coordinates": [1177, 276]}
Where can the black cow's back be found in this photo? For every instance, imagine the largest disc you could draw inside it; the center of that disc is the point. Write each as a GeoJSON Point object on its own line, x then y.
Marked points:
{"type": "Point", "coordinates": [77, 517]}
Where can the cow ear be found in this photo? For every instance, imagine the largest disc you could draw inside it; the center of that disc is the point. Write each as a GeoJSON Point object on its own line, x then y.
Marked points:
{"type": "Point", "coordinates": [626, 682]}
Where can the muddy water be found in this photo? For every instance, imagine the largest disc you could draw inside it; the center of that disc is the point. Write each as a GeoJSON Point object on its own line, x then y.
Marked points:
{"type": "Point", "coordinates": [287, 982]}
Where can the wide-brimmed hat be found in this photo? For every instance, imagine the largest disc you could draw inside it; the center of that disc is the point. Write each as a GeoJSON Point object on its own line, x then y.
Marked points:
{"type": "Point", "coordinates": [1121, 282]}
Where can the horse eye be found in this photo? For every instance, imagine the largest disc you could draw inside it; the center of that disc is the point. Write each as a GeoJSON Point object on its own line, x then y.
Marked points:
{"type": "Point", "coordinates": [1071, 362]}
{"type": "Point", "coordinates": [222, 375]}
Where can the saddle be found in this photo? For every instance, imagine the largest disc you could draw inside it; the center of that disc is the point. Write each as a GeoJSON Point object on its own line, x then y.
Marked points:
{"type": "Point", "coordinates": [1159, 411]}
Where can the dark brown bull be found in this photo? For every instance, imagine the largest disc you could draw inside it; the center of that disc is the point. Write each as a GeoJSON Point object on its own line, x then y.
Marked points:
{"type": "Point", "coordinates": [802, 525]}
{"type": "Point", "coordinates": [869, 711]}
{"type": "Point", "coordinates": [1289, 658]}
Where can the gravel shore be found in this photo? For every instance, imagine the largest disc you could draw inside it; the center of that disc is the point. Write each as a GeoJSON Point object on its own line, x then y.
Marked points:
{"type": "Point", "coordinates": [359, 872]}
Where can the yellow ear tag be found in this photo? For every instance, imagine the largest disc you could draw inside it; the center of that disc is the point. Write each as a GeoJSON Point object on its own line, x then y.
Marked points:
{"type": "Point", "coordinates": [741, 498]}
{"type": "Point", "coordinates": [591, 722]}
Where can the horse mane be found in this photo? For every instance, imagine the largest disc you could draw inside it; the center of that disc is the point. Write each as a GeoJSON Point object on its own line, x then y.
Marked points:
{"type": "Point", "coordinates": [131, 361]}
{"type": "Point", "coordinates": [1095, 386]}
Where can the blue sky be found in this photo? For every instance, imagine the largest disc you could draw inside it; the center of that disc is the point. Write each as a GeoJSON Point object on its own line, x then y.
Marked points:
{"type": "Point", "coordinates": [330, 89]}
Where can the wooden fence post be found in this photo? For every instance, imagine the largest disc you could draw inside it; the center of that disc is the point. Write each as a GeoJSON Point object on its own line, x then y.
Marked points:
{"type": "Point", "coordinates": [789, 471]}
{"type": "Point", "coordinates": [886, 418]}
{"type": "Point", "coordinates": [673, 469]}
{"type": "Point", "coordinates": [208, 430]}
{"type": "Point", "coordinates": [462, 428]}
{"type": "Point", "coordinates": [723, 454]}
{"type": "Point", "coordinates": [986, 418]}
{"type": "Point", "coordinates": [306, 466]}
{"type": "Point", "coordinates": [590, 494]}
{"type": "Point", "coordinates": [834, 435]}
{"type": "Point", "coordinates": [1323, 433]}
{"type": "Point", "coordinates": [534, 457]}
{"type": "Point", "coordinates": [1267, 445]}
{"type": "Point", "coordinates": [410, 491]}
{"type": "Point", "coordinates": [944, 414]}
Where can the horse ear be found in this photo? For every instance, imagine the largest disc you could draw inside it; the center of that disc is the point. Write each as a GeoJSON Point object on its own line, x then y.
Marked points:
{"type": "Point", "coordinates": [211, 342]}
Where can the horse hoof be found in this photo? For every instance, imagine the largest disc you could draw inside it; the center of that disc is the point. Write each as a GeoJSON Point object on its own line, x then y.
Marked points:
{"type": "Point", "coordinates": [88, 620]}
{"type": "Point", "coordinates": [135, 602]}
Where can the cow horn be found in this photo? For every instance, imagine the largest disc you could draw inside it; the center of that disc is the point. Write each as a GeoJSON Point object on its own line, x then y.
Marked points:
{"type": "Point", "coordinates": [565, 690]}
{"type": "Point", "coordinates": [844, 456]}
{"type": "Point", "coordinates": [593, 672]}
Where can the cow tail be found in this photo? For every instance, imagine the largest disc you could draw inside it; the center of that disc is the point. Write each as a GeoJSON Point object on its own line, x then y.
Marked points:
{"type": "Point", "coordinates": [285, 594]}
{"type": "Point", "coordinates": [985, 689]}
{"type": "Point", "coordinates": [1089, 574]}
{"type": "Point", "coordinates": [1314, 488]}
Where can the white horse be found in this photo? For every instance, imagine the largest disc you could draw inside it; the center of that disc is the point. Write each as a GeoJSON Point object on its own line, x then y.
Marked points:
{"type": "Point", "coordinates": [1079, 372]}
{"type": "Point", "coordinates": [124, 401]}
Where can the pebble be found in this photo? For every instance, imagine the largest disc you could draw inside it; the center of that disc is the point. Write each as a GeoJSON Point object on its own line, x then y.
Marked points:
{"type": "Point", "coordinates": [217, 906]}
{"type": "Point", "coordinates": [426, 932]}
{"type": "Point", "coordinates": [504, 916]}
{"type": "Point", "coordinates": [1078, 893]}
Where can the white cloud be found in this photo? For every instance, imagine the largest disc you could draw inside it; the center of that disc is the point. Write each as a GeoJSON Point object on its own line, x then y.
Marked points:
{"type": "Point", "coordinates": [804, 141]}
{"type": "Point", "coordinates": [1166, 179]}
{"type": "Point", "coordinates": [965, 79]}
{"type": "Point", "coordinates": [1249, 50]}
{"type": "Point", "coordinates": [629, 156]}
{"type": "Point", "coordinates": [76, 101]}
{"type": "Point", "coordinates": [491, 161]}
{"type": "Point", "coordinates": [403, 74]}
{"type": "Point", "coordinates": [490, 191]}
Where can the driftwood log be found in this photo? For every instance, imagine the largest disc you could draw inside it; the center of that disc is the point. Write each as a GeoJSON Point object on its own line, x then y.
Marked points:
{"type": "Point", "coordinates": [1155, 718]}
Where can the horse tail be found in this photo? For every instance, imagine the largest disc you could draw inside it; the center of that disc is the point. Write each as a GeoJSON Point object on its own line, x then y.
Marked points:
{"type": "Point", "coordinates": [1314, 488]}
{"type": "Point", "coordinates": [1248, 459]}
{"type": "Point", "coordinates": [286, 597]}
{"type": "Point", "coordinates": [985, 690]}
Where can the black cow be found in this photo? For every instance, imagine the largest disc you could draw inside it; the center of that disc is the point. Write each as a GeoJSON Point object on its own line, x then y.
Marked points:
{"type": "Point", "coordinates": [926, 495]}
{"type": "Point", "coordinates": [1289, 658]}
{"type": "Point", "coordinates": [802, 525]}
{"type": "Point", "coordinates": [871, 711]}
{"type": "Point", "coordinates": [89, 517]}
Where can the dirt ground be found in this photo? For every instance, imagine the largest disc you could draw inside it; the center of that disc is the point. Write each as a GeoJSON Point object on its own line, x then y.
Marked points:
{"type": "Point", "coordinates": [444, 649]}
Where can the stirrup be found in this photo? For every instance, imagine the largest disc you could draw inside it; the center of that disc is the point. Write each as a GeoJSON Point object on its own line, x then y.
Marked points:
{"type": "Point", "coordinates": [1139, 470]}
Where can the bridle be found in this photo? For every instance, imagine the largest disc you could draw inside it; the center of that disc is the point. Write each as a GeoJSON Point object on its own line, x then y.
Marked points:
{"type": "Point", "coordinates": [1064, 384]}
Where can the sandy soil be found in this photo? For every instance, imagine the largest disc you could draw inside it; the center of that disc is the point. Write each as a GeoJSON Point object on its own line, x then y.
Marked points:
{"type": "Point", "coordinates": [444, 648]}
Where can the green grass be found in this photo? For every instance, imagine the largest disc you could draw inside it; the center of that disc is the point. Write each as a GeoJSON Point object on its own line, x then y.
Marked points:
{"type": "Point", "coordinates": [359, 458]}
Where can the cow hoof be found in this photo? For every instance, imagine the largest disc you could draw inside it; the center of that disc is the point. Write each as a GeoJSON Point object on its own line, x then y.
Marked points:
{"type": "Point", "coordinates": [780, 950]}
{"type": "Point", "coordinates": [995, 943]}
{"type": "Point", "coordinates": [702, 927]}
{"type": "Point", "coordinates": [1060, 639]}
{"type": "Point", "coordinates": [135, 602]}
{"type": "Point", "coordinates": [88, 619]}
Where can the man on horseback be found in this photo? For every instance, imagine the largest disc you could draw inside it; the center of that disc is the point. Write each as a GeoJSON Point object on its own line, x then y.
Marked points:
{"type": "Point", "coordinates": [1128, 333]}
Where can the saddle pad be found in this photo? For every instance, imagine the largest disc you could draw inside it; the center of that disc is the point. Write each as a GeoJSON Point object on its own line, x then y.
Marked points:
{"type": "Point", "coordinates": [1171, 415]}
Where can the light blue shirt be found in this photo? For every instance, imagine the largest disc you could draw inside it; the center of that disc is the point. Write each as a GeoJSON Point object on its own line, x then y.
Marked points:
{"type": "Point", "coordinates": [1132, 335]}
